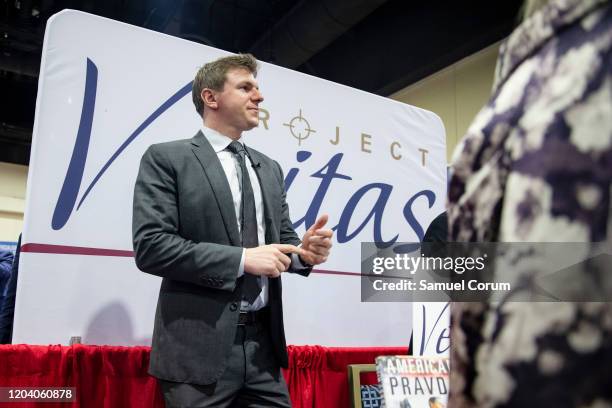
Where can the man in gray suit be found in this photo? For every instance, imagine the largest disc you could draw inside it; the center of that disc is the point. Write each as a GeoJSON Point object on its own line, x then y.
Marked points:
{"type": "Point", "coordinates": [210, 218]}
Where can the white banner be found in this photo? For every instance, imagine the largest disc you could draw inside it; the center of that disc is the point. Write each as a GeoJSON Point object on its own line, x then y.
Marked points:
{"type": "Point", "coordinates": [431, 329]}
{"type": "Point", "coordinates": [108, 90]}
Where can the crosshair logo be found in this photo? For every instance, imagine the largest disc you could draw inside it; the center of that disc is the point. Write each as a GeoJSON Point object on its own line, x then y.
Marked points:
{"type": "Point", "coordinates": [299, 127]}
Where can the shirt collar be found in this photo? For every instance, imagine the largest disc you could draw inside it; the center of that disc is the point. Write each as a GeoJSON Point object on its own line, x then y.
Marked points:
{"type": "Point", "coordinates": [218, 141]}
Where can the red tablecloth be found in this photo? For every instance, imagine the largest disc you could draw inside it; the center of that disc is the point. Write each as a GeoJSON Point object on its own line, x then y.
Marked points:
{"type": "Point", "coordinates": [116, 377]}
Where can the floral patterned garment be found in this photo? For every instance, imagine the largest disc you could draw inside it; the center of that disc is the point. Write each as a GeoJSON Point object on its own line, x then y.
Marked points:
{"type": "Point", "coordinates": [536, 166]}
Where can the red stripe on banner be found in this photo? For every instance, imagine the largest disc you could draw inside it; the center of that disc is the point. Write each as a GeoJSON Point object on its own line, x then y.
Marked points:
{"type": "Point", "coordinates": [324, 272]}
{"type": "Point", "coordinates": [73, 250]}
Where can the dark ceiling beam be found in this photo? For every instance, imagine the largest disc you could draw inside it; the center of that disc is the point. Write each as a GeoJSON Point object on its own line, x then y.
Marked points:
{"type": "Point", "coordinates": [15, 154]}
{"type": "Point", "coordinates": [15, 134]}
{"type": "Point", "coordinates": [20, 50]}
{"type": "Point", "coordinates": [403, 42]}
{"type": "Point", "coordinates": [21, 63]}
{"type": "Point", "coordinates": [308, 28]}
{"type": "Point", "coordinates": [15, 142]}
{"type": "Point", "coordinates": [26, 36]}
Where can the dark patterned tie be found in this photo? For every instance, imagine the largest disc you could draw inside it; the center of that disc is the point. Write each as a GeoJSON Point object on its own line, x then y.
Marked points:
{"type": "Point", "coordinates": [248, 221]}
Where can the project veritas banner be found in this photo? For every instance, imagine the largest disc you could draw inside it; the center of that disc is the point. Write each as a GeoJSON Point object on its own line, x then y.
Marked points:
{"type": "Point", "coordinates": [108, 90]}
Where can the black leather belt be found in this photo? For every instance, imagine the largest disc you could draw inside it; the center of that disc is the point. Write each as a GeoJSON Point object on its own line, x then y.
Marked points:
{"type": "Point", "coordinates": [253, 318]}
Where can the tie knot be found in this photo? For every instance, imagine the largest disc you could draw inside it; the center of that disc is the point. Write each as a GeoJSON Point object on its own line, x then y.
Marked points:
{"type": "Point", "coordinates": [236, 148]}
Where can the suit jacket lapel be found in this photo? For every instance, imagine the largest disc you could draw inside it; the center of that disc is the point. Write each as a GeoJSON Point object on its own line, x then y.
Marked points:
{"type": "Point", "coordinates": [219, 184]}
{"type": "Point", "coordinates": [266, 178]}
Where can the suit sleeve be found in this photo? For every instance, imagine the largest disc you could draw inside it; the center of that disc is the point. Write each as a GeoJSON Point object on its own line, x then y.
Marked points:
{"type": "Point", "coordinates": [287, 233]}
{"type": "Point", "coordinates": [158, 247]}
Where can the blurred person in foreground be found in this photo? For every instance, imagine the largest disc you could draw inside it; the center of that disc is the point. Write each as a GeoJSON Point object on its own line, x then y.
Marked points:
{"type": "Point", "coordinates": [6, 264]}
{"type": "Point", "coordinates": [536, 166]}
{"type": "Point", "coordinates": [7, 305]}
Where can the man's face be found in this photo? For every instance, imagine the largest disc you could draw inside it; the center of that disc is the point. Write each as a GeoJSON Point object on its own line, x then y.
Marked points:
{"type": "Point", "coordinates": [238, 102]}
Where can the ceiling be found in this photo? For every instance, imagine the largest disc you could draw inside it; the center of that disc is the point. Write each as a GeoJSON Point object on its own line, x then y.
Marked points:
{"type": "Point", "coordinates": [378, 46]}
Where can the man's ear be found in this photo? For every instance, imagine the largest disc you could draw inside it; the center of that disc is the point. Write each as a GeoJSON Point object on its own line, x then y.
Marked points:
{"type": "Point", "coordinates": [209, 98]}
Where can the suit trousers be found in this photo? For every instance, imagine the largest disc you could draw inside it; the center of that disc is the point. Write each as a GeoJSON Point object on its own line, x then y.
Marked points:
{"type": "Point", "coordinates": [251, 379]}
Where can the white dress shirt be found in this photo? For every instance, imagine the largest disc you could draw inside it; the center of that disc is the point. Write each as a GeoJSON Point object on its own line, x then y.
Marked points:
{"type": "Point", "coordinates": [231, 167]}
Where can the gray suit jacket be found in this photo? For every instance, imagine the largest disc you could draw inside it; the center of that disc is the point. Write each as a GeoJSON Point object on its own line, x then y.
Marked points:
{"type": "Point", "coordinates": [185, 230]}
